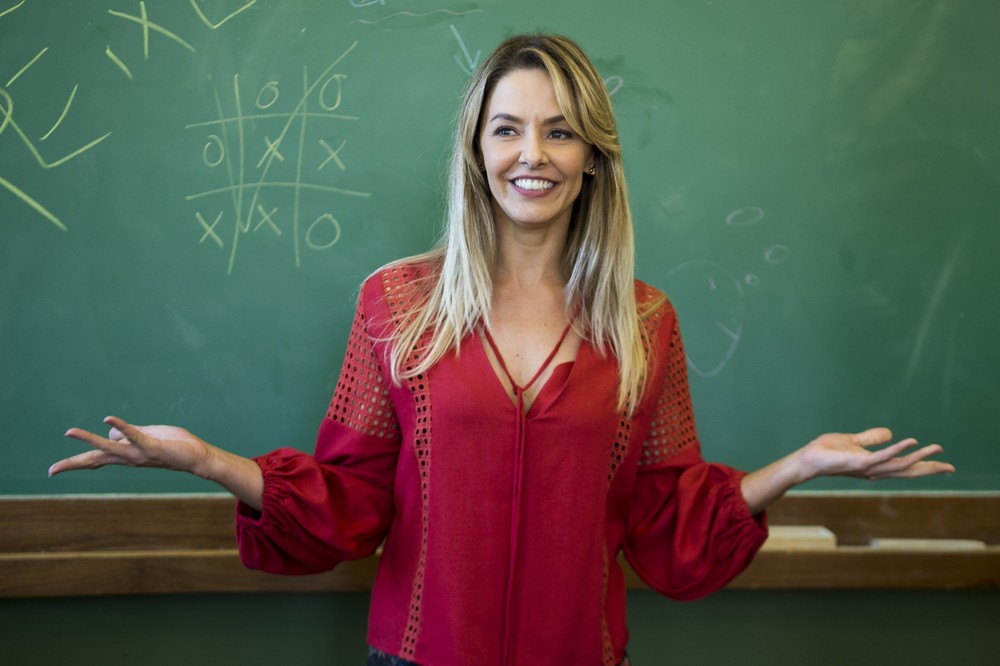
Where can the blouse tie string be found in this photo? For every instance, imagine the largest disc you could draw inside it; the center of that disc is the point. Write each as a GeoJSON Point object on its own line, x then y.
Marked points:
{"type": "Point", "coordinates": [519, 437]}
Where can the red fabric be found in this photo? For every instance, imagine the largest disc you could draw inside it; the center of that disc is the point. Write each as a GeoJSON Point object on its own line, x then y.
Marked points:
{"type": "Point", "coordinates": [428, 466]}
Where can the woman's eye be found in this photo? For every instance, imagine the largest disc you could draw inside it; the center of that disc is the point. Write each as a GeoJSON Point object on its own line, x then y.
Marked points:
{"type": "Point", "coordinates": [504, 131]}
{"type": "Point", "coordinates": [560, 134]}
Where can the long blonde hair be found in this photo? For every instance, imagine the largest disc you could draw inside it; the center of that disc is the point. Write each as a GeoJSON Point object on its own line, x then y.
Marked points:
{"type": "Point", "coordinates": [598, 260]}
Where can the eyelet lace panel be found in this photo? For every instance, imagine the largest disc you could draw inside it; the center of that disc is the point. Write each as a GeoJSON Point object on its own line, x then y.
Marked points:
{"type": "Point", "coordinates": [672, 428]}
{"type": "Point", "coordinates": [361, 399]}
{"type": "Point", "coordinates": [401, 295]}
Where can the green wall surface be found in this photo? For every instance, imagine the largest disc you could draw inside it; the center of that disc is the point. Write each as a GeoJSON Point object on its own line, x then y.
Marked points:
{"type": "Point", "coordinates": [191, 193]}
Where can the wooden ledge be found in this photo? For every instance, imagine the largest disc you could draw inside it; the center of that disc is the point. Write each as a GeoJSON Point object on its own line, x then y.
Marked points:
{"type": "Point", "coordinates": [181, 544]}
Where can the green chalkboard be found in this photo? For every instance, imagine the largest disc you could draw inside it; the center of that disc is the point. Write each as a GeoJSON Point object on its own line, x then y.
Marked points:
{"type": "Point", "coordinates": [191, 193]}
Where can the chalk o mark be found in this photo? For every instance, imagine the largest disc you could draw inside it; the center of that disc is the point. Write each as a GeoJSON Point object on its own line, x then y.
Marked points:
{"type": "Point", "coordinates": [270, 89]}
{"type": "Point", "coordinates": [322, 92]}
{"type": "Point", "coordinates": [316, 228]}
{"type": "Point", "coordinates": [613, 84]}
{"type": "Point", "coordinates": [742, 217]}
{"type": "Point", "coordinates": [213, 144]}
{"type": "Point", "coordinates": [776, 254]}
{"type": "Point", "coordinates": [751, 280]}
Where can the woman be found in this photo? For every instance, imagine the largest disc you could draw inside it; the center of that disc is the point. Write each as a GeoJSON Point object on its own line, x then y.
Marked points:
{"type": "Point", "coordinates": [513, 411]}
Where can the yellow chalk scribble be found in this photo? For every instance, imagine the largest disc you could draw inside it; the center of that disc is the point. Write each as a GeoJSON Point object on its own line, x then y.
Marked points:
{"type": "Point", "coordinates": [62, 115]}
{"type": "Point", "coordinates": [39, 208]}
{"type": "Point", "coordinates": [215, 26]}
{"type": "Point", "coordinates": [148, 25]}
{"type": "Point", "coordinates": [10, 9]}
{"type": "Point", "coordinates": [121, 65]}
{"type": "Point", "coordinates": [25, 68]}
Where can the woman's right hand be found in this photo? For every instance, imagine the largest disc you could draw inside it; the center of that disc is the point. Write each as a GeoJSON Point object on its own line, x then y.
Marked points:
{"type": "Point", "coordinates": [165, 447]}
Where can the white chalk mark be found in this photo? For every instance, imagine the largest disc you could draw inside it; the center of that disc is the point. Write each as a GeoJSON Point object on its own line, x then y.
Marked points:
{"type": "Point", "coordinates": [932, 306]}
{"type": "Point", "coordinates": [715, 289]}
{"type": "Point", "coordinates": [469, 63]}
{"type": "Point", "coordinates": [745, 216]}
{"type": "Point", "coordinates": [417, 15]}
{"type": "Point", "coordinates": [949, 368]}
{"type": "Point", "coordinates": [613, 84]}
{"type": "Point", "coordinates": [776, 254]}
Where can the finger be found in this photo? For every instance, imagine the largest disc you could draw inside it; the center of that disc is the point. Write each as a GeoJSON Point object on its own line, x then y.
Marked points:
{"type": "Point", "coordinates": [920, 469]}
{"type": "Point", "coordinates": [900, 466]}
{"type": "Point", "coordinates": [89, 460]}
{"type": "Point", "coordinates": [872, 437]}
{"type": "Point", "coordinates": [125, 431]}
{"type": "Point", "coordinates": [890, 452]}
{"type": "Point", "coordinates": [90, 438]}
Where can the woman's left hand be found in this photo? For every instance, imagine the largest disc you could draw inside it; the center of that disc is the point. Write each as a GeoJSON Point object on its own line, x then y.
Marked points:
{"type": "Point", "coordinates": [840, 454]}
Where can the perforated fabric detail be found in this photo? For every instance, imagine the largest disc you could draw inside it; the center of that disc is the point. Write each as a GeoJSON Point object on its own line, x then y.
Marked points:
{"type": "Point", "coordinates": [608, 654]}
{"type": "Point", "coordinates": [361, 399]}
{"type": "Point", "coordinates": [401, 297]}
{"type": "Point", "coordinates": [672, 428]}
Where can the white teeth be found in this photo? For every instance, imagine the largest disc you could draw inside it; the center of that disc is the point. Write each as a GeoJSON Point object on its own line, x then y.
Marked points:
{"type": "Point", "coordinates": [533, 184]}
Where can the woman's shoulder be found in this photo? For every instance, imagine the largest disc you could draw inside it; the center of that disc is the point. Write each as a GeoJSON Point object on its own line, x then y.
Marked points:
{"type": "Point", "coordinates": [404, 282]}
{"type": "Point", "coordinates": [650, 301]}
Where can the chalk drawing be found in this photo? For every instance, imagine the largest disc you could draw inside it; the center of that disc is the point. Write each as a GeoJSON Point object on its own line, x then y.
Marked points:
{"type": "Point", "coordinates": [717, 301]}
{"type": "Point", "coordinates": [468, 62]}
{"type": "Point", "coordinates": [25, 68]}
{"type": "Point", "coordinates": [62, 116]}
{"type": "Point", "coordinates": [256, 199]}
{"type": "Point", "coordinates": [143, 21]}
{"type": "Point", "coordinates": [8, 124]}
{"type": "Point", "coordinates": [10, 9]}
{"type": "Point", "coordinates": [745, 216]}
{"type": "Point", "coordinates": [613, 84]}
{"type": "Point", "coordinates": [215, 25]}
{"type": "Point", "coordinates": [448, 12]}
{"type": "Point", "coordinates": [933, 305]}
{"type": "Point", "coordinates": [716, 314]}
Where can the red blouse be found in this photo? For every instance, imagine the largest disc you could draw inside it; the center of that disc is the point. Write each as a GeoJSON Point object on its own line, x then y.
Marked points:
{"type": "Point", "coordinates": [502, 529]}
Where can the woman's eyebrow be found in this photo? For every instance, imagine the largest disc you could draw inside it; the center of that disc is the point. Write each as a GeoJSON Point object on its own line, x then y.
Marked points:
{"type": "Point", "coordinates": [515, 119]}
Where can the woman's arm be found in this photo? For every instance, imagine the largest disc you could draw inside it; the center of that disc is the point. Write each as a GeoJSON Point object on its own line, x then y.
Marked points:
{"type": "Point", "coordinates": [166, 447]}
{"type": "Point", "coordinates": [838, 454]}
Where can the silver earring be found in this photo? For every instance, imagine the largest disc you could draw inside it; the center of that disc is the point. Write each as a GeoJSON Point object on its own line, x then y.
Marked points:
{"type": "Point", "coordinates": [591, 170]}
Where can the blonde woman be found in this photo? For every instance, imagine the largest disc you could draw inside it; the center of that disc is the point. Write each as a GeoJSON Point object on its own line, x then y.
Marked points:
{"type": "Point", "coordinates": [513, 411]}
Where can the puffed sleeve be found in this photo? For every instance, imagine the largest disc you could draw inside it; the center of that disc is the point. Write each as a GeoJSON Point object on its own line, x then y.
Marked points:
{"type": "Point", "coordinates": [337, 504]}
{"type": "Point", "coordinates": [689, 530]}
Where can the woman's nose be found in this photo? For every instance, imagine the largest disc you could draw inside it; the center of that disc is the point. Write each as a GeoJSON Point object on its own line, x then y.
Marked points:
{"type": "Point", "coordinates": [532, 150]}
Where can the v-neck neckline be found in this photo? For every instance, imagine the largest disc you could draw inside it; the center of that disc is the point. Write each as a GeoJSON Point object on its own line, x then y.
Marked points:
{"type": "Point", "coordinates": [519, 391]}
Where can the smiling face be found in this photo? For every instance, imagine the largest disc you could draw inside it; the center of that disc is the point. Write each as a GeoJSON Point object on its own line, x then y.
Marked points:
{"type": "Point", "coordinates": [535, 163]}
